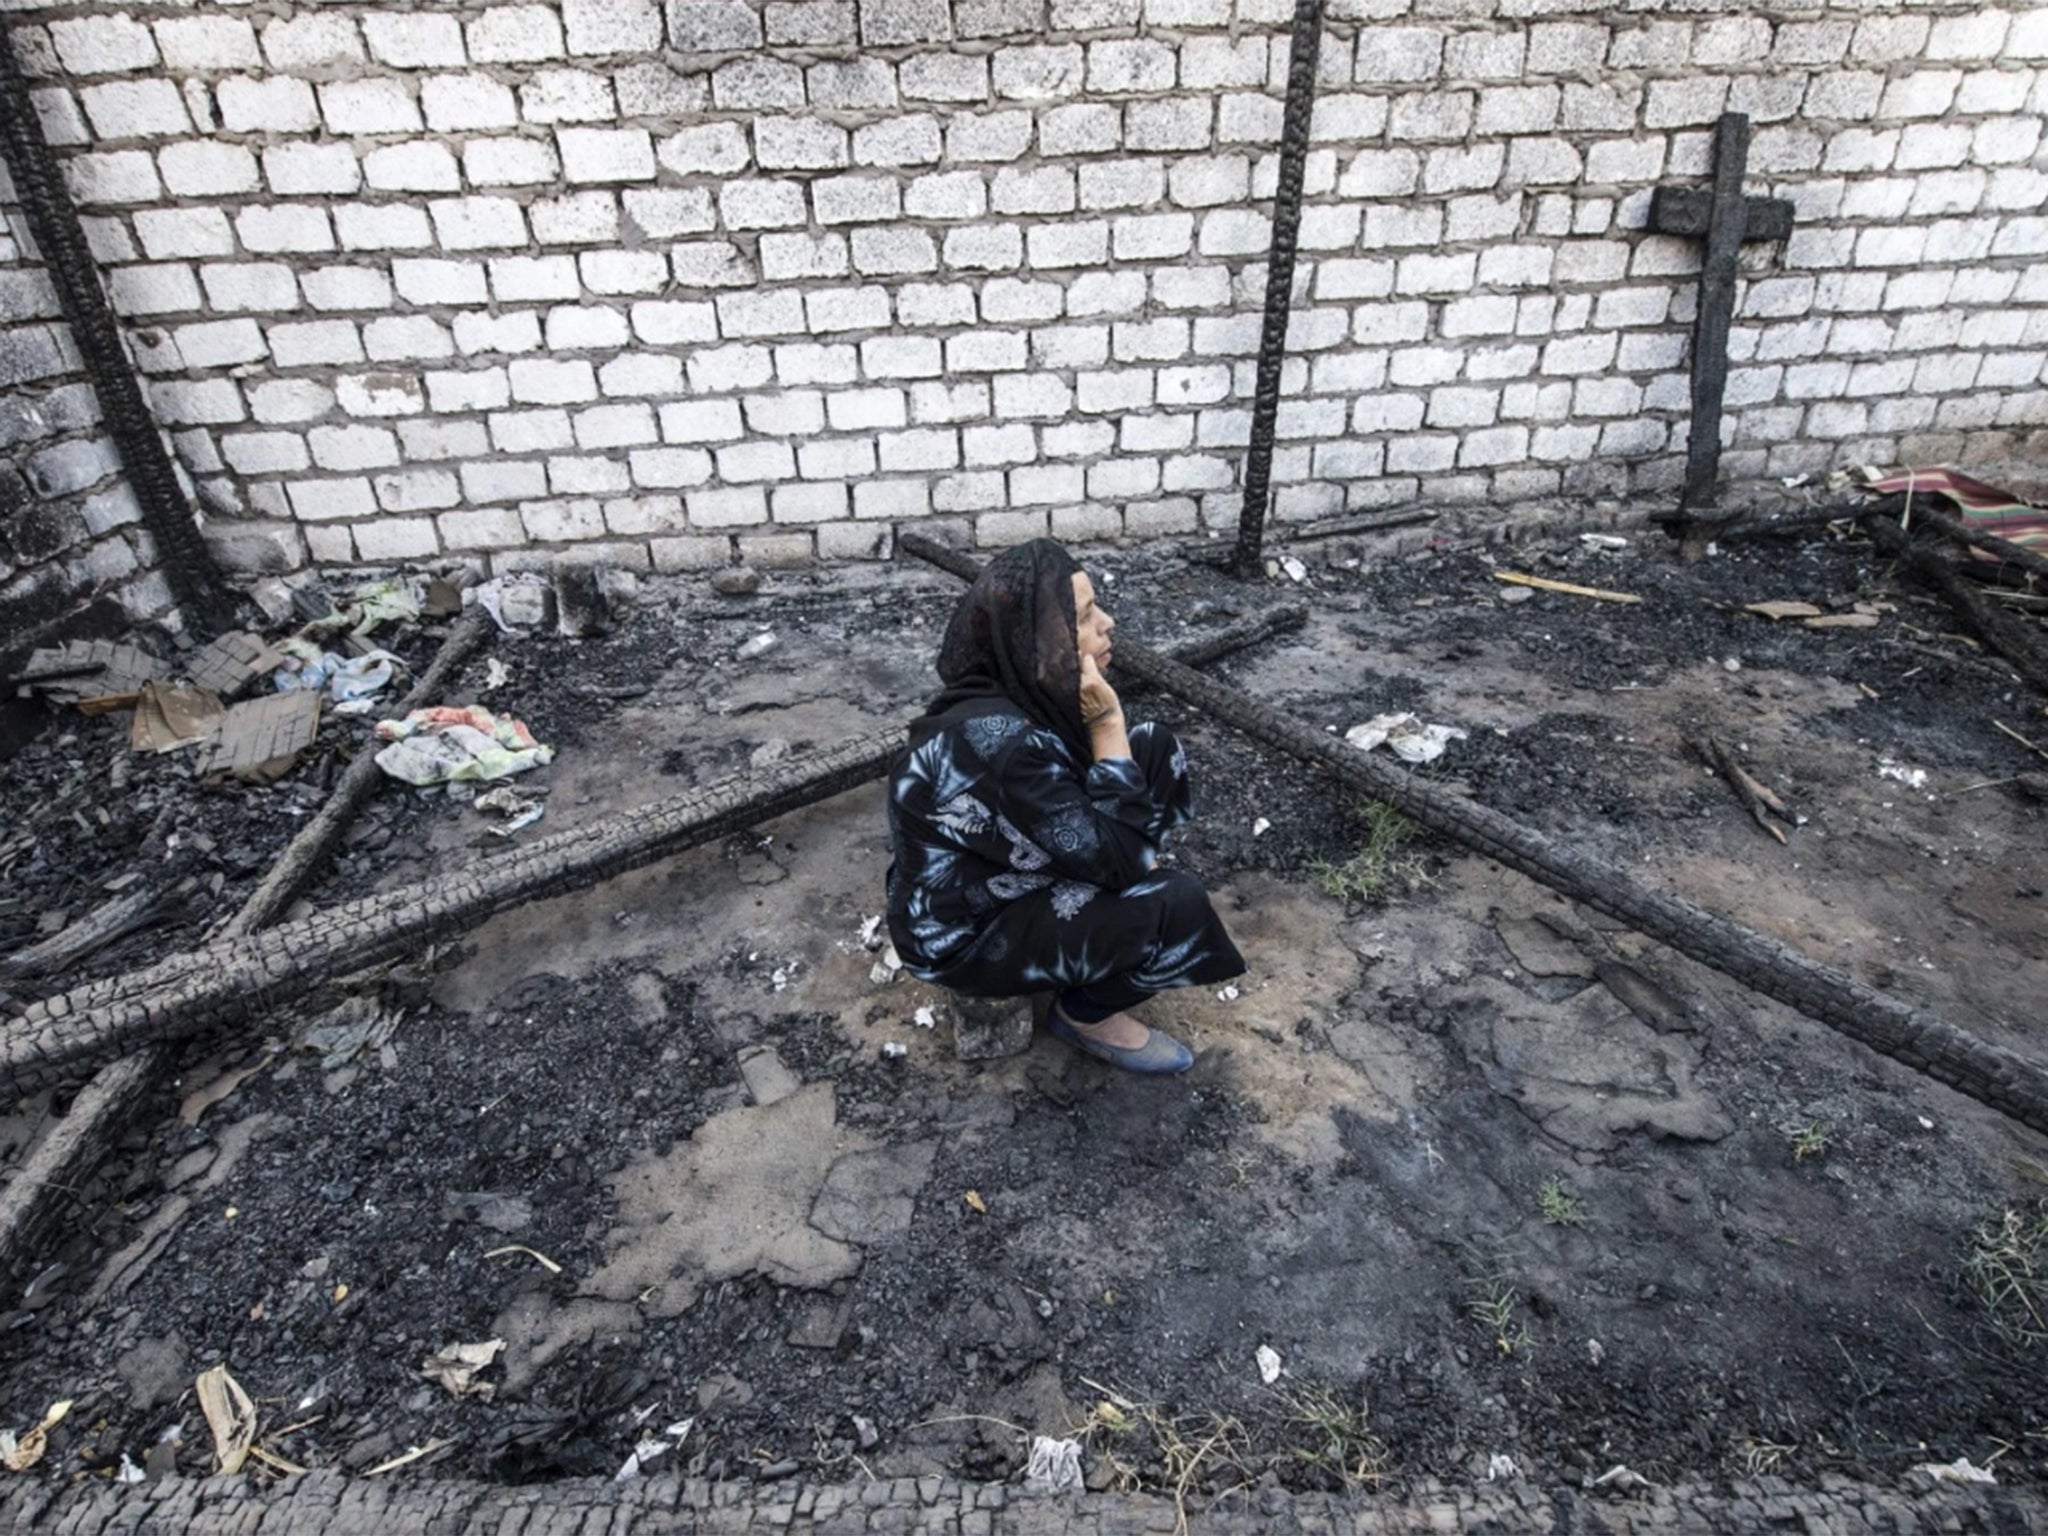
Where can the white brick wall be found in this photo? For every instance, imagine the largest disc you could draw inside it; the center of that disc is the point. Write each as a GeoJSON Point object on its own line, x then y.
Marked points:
{"type": "Point", "coordinates": [709, 272]}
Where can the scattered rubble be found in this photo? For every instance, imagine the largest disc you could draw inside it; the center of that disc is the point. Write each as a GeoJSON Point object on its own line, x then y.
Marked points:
{"type": "Point", "coordinates": [737, 581]}
{"type": "Point", "coordinates": [83, 670]}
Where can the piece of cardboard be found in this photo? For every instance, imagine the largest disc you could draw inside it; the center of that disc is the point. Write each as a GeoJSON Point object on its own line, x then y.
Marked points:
{"type": "Point", "coordinates": [261, 739]}
{"type": "Point", "coordinates": [169, 717]}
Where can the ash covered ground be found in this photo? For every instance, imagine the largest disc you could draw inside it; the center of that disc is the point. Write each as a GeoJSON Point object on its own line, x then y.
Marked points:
{"type": "Point", "coordinates": [1476, 1204]}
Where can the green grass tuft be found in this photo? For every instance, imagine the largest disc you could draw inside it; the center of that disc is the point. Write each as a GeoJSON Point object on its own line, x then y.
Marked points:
{"type": "Point", "coordinates": [1811, 1140]}
{"type": "Point", "coordinates": [2006, 1269]}
{"type": "Point", "coordinates": [1560, 1207]}
{"type": "Point", "coordinates": [1382, 863]}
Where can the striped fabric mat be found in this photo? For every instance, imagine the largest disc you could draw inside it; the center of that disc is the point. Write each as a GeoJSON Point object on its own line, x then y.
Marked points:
{"type": "Point", "coordinates": [1984, 507]}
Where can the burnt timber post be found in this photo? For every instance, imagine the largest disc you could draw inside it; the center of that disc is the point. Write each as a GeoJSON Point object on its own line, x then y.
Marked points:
{"type": "Point", "coordinates": [1725, 219]}
{"type": "Point", "coordinates": [1303, 53]}
{"type": "Point", "coordinates": [52, 219]}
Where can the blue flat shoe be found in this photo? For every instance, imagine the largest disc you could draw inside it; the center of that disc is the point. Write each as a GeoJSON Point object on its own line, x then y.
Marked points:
{"type": "Point", "coordinates": [1160, 1056]}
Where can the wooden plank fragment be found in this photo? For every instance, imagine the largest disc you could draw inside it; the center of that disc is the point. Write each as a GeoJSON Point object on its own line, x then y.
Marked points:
{"type": "Point", "coordinates": [1566, 587]}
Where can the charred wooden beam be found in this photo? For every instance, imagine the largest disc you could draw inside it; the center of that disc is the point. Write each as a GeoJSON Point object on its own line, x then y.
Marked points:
{"type": "Point", "coordinates": [2018, 555]}
{"type": "Point", "coordinates": [1356, 523]}
{"type": "Point", "coordinates": [233, 978]}
{"type": "Point", "coordinates": [332, 1502]}
{"type": "Point", "coordinates": [62, 1159]}
{"type": "Point", "coordinates": [1799, 522]}
{"type": "Point", "coordinates": [2012, 637]}
{"type": "Point", "coordinates": [1239, 636]}
{"type": "Point", "coordinates": [1912, 1036]}
{"type": "Point", "coordinates": [116, 918]}
{"type": "Point", "coordinates": [316, 840]}
{"type": "Point", "coordinates": [46, 1184]}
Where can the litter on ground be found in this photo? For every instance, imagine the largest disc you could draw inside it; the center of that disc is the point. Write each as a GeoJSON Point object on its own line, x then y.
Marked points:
{"type": "Point", "coordinates": [170, 717]}
{"type": "Point", "coordinates": [1055, 1465]}
{"type": "Point", "coordinates": [230, 1415]}
{"type": "Point", "coordinates": [1405, 736]}
{"type": "Point", "coordinates": [1912, 778]}
{"type": "Point", "coordinates": [514, 809]}
{"type": "Point", "coordinates": [1961, 1470]}
{"type": "Point", "coordinates": [451, 746]}
{"type": "Point", "coordinates": [457, 1366]}
{"type": "Point", "coordinates": [19, 1454]}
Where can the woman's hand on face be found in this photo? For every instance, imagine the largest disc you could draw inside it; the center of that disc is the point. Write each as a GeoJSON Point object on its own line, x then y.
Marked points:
{"type": "Point", "coordinates": [1099, 703]}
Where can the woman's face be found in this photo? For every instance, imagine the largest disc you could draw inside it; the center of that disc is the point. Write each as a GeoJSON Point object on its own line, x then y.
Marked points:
{"type": "Point", "coordinates": [1092, 623]}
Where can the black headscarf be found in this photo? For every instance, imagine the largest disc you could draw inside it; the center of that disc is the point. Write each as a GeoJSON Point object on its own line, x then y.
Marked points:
{"type": "Point", "coordinates": [1013, 636]}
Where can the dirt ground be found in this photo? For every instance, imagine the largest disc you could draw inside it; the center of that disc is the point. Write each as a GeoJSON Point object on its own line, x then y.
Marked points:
{"type": "Point", "coordinates": [1490, 1177]}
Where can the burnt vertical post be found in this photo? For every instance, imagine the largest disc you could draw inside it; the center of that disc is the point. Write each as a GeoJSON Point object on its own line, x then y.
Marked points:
{"type": "Point", "coordinates": [1303, 52]}
{"type": "Point", "coordinates": [53, 221]}
{"type": "Point", "coordinates": [1725, 228]}
{"type": "Point", "coordinates": [1725, 218]}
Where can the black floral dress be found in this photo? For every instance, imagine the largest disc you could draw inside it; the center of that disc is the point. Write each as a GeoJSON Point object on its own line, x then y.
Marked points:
{"type": "Point", "coordinates": [1018, 869]}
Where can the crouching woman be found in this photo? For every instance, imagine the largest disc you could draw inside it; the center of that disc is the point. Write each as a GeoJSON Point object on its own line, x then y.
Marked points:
{"type": "Point", "coordinates": [1026, 816]}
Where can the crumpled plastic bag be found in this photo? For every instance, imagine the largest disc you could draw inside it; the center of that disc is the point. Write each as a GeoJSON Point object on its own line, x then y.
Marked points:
{"type": "Point", "coordinates": [458, 746]}
{"type": "Point", "coordinates": [1961, 1470]}
{"type": "Point", "coordinates": [363, 677]}
{"type": "Point", "coordinates": [384, 602]}
{"type": "Point", "coordinates": [347, 679]}
{"type": "Point", "coordinates": [516, 809]}
{"type": "Point", "coordinates": [1405, 736]}
{"type": "Point", "coordinates": [1055, 1465]}
{"type": "Point", "coordinates": [520, 600]}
